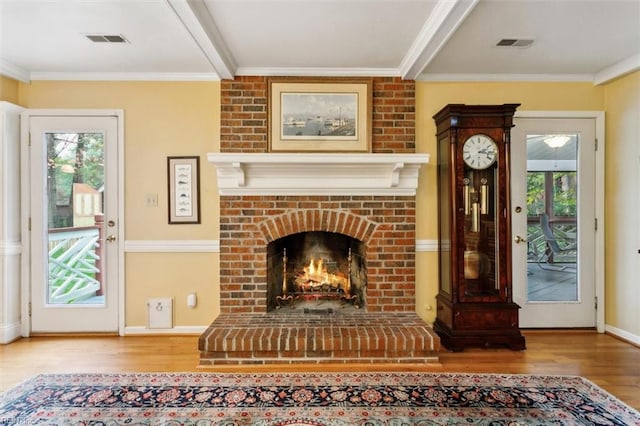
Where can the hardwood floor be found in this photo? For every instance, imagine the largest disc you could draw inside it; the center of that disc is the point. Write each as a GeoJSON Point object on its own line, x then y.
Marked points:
{"type": "Point", "coordinates": [612, 364]}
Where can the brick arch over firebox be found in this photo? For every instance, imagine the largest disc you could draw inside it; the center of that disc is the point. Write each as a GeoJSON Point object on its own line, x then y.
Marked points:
{"type": "Point", "coordinates": [386, 224]}
{"type": "Point", "coordinates": [306, 220]}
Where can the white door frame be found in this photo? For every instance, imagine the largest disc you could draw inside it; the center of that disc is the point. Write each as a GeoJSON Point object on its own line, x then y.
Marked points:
{"type": "Point", "coordinates": [26, 206]}
{"type": "Point", "coordinates": [598, 117]}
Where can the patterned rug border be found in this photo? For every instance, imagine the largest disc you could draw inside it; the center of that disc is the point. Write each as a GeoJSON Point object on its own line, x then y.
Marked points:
{"type": "Point", "coordinates": [312, 399]}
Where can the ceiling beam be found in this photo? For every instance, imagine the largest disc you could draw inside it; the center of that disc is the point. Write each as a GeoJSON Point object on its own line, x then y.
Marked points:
{"type": "Point", "coordinates": [446, 17]}
{"type": "Point", "coordinates": [197, 20]}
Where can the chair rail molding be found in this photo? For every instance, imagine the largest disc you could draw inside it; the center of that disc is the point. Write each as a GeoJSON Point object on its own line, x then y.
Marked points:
{"type": "Point", "coordinates": [172, 246]}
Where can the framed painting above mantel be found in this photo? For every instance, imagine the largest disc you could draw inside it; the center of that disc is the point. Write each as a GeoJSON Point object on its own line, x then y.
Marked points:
{"type": "Point", "coordinates": [319, 115]}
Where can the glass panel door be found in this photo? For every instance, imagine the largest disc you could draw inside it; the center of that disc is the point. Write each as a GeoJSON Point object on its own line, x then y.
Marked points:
{"type": "Point", "coordinates": [73, 199]}
{"type": "Point", "coordinates": [75, 217]}
{"type": "Point", "coordinates": [553, 217]}
{"type": "Point", "coordinates": [552, 227]}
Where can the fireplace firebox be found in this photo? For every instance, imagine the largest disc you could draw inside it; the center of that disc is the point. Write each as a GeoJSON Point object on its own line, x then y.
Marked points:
{"type": "Point", "coordinates": [316, 272]}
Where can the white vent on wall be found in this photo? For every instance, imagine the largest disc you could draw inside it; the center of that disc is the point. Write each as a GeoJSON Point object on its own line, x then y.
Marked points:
{"type": "Point", "coordinates": [515, 42]}
{"type": "Point", "coordinates": [160, 313]}
{"type": "Point", "coordinates": [106, 38]}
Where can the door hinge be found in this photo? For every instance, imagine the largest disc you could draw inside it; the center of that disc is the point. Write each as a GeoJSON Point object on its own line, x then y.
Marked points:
{"type": "Point", "coordinates": [29, 224]}
{"type": "Point", "coordinates": [29, 308]}
{"type": "Point", "coordinates": [595, 223]}
{"type": "Point", "coordinates": [29, 138]}
{"type": "Point", "coordinates": [595, 304]}
{"type": "Point", "coordinates": [596, 144]}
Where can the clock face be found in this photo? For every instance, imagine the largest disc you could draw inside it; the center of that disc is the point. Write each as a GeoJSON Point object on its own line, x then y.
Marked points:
{"type": "Point", "coordinates": [479, 152]}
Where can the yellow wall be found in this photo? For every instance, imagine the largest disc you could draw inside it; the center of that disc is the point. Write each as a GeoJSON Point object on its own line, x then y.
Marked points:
{"type": "Point", "coordinates": [8, 90]}
{"type": "Point", "coordinates": [430, 98]}
{"type": "Point", "coordinates": [169, 118]}
{"type": "Point", "coordinates": [161, 119]}
{"type": "Point", "coordinates": [622, 195]}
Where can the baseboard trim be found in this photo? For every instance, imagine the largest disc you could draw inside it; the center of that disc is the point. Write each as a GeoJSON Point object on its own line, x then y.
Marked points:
{"type": "Point", "coordinates": [10, 332]}
{"type": "Point", "coordinates": [622, 335]}
{"type": "Point", "coordinates": [179, 330]}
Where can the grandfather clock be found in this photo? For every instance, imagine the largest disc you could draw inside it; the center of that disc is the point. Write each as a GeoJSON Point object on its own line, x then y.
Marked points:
{"type": "Point", "coordinates": [474, 302]}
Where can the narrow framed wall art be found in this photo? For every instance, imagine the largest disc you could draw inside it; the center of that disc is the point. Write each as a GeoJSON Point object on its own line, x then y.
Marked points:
{"type": "Point", "coordinates": [184, 189]}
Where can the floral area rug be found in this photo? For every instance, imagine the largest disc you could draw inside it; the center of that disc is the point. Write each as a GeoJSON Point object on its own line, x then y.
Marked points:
{"type": "Point", "coordinates": [311, 399]}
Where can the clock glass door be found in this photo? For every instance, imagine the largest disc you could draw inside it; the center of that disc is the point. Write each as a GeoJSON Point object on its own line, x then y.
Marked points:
{"type": "Point", "coordinates": [480, 204]}
{"type": "Point", "coordinates": [552, 182]}
{"type": "Point", "coordinates": [480, 245]}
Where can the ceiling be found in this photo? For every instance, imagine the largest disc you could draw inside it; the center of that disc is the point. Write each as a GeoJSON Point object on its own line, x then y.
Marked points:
{"type": "Point", "coordinates": [433, 40]}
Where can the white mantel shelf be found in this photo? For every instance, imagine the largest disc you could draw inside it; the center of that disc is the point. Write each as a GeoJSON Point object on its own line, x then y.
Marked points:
{"type": "Point", "coordinates": [317, 174]}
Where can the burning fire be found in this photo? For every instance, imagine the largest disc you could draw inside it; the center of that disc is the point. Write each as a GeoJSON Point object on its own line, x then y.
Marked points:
{"type": "Point", "coordinates": [316, 276]}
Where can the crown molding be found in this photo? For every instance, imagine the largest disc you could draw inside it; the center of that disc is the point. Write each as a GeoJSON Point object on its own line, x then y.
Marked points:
{"type": "Point", "coordinates": [454, 77]}
{"type": "Point", "coordinates": [626, 66]}
{"type": "Point", "coordinates": [123, 76]}
{"type": "Point", "coordinates": [13, 71]}
{"type": "Point", "coordinates": [446, 17]}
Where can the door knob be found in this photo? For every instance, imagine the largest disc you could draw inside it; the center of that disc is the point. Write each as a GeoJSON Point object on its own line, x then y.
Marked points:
{"type": "Point", "coordinates": [518, 239]}
{"type": "Point", "coordinates": [111, 238]}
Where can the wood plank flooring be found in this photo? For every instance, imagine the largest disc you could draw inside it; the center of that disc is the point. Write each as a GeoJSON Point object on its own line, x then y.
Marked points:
{"type": "Point", "coordinates": [612, 364]}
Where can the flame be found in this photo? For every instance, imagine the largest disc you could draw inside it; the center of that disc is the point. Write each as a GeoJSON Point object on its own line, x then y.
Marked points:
{"type": "Point", "coordinates": [316, 275]}
{"type": "Point", "coordinates": [316, 271]}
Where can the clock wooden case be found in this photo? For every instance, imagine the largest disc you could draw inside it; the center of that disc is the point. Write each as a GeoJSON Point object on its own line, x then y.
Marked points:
{"type": "Point", "coordinates": [474, 302]}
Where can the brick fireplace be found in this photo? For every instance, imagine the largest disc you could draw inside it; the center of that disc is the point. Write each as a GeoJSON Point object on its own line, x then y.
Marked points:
{"type": "Point", "coordinates": [367, 201]}
{"type": "Point", "coordinates": [385, 224]}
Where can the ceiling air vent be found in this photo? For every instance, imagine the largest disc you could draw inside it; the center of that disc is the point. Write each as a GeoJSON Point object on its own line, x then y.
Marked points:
{"type": "Point", "coordinates": [106, 38]}
{"type": "Point", "coordinates": [515, 42]}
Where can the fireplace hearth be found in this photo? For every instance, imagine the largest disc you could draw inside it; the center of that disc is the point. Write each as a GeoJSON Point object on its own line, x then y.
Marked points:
{"type": "Point", "coordinates": [317, 261]}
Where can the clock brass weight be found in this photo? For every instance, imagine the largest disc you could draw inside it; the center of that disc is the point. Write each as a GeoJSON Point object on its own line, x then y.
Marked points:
{"type": "Point", "coordinates": [474, 301]}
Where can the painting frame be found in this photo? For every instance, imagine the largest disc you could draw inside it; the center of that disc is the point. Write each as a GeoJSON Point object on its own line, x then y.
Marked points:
{"type": "Point", "coordinates": [183, 176]}
{"type": "Point", "coordinates": [319, 115]}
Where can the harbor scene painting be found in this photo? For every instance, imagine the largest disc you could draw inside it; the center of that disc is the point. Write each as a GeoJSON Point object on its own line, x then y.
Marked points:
{"type": "Point", "coordinates": [312, 115]}
{"type": "Point", "coordinates": [319, 115]}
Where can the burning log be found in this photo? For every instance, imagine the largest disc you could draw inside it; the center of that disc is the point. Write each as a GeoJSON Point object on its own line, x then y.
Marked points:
{"type": "Point", "coordinates": [316, 277]}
